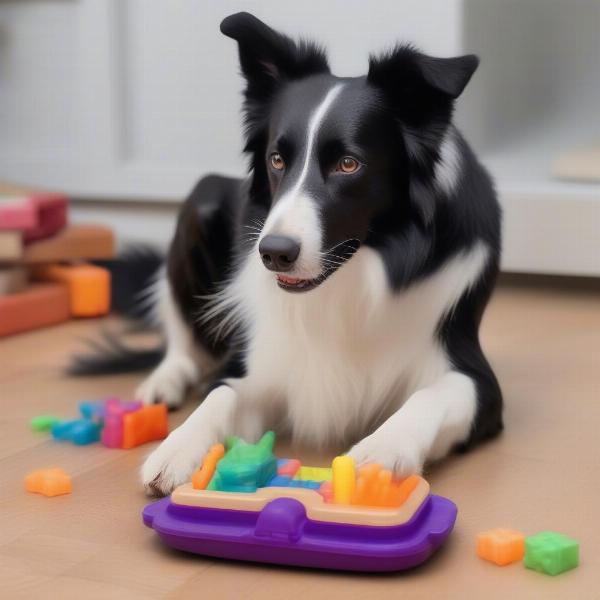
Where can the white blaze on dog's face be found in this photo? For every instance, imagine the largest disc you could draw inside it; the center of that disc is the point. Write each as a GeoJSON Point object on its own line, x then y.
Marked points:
{"type": "Point", "coordinates": [323, 158]}
{"type": "Point", "coordinates": [296, 214]}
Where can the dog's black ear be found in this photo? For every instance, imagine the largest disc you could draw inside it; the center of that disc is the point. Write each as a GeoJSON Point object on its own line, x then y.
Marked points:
{"type": "Point", "coordinates": [420, 91]}
{"type": "Point", "coordinates": [267, 57]}
{"type": "Point", "coordinates": [405, 70]}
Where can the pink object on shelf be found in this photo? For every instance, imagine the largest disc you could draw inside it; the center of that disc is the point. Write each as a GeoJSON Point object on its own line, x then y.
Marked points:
{"type": "Point", "coordinates": [114, 410]}
{"type": "Point", "coordinates": [17, 215]}
{"type": "Point", "coordinates": [51, 210]}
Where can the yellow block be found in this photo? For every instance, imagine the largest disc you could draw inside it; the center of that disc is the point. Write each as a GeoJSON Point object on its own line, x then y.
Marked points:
{"type": "Point", "coordinates": [344, 479]}
{"type": "Point", "coordinates": [314, 474]}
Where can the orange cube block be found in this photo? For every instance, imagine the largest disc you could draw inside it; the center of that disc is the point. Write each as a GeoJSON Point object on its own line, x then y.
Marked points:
{"type": "Point", "coordinates": [89, 286]}
{"type": "Point", "coordinates": [501, 546]}
{"type": "Point", "coordinates": [204, 474]}
{"type": "Point", "coordinates": [49, 482]}
{"type": "Point", "coordinates": [147, 424]}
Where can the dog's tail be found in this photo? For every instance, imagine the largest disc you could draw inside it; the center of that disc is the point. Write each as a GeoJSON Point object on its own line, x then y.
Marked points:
{"type": "Point", "coordinates": [134, 281]}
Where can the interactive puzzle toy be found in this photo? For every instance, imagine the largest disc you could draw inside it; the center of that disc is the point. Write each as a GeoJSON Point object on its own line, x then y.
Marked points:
{"type": "Point", "coordinates": [246, 504]}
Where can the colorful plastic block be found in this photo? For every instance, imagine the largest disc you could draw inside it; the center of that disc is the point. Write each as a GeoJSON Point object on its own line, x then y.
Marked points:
{"type": "Point", "coordinates": [43, 422]}
{"type": "Point", "coordinates": [147, 424]}
{"type": "Point", "coordinates": [375, 486]}
{"type": "Point", "coordinates": [343, 479]}
{"type": "Point", "coordinates": [551, 553]}
{"type": "Point", "coordinates": [501, 546]}
{"type": "Point", "coordinates": [78, 431]}
{"type": "Point", "coordinates": [246, 467]}
{"type": "Point", "coordinates": [114, 411]}
{"type": "Point", "coordinates": [49, 482]}
{"type": "Point", "coordinates": [92, 409]}
{"type": "Point", "coordinates": [314, 473]}
{"type": "Point", "coordinates": [326, 490]}
{"type": "Point", "coordinates": [204, 474]}
{"type": "Point", "coordinates": [89, 286]}
{"type": "Point", "coordinates": [288, 466]}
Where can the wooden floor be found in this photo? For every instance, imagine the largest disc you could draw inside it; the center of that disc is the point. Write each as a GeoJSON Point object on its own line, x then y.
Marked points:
{"type": "Point", "coordinates": [542, 473]}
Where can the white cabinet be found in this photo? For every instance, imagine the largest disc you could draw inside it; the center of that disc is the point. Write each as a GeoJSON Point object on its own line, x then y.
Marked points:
{"type": "Point", "coordinates": [135, 99]}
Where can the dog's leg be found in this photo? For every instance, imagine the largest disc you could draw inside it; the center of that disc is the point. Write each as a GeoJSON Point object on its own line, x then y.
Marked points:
{"type": "Point", "coordinates": [427, 426]}
{"type": "Point", "coordinates": [227, 410]}
{"type": "Point", "coordinates": [178, 370]}
{"type": "Point", "coordinates": [174, 461]}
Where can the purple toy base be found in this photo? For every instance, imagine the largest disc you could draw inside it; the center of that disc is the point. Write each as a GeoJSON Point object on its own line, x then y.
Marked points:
{"type": "Point", "coordinates": [281, 533]}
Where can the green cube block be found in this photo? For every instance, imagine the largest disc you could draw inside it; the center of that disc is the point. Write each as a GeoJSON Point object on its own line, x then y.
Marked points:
{"type": "Point", "coordinates": [551, 553]}
{"type": "Point", "coordinates": [43, 422]}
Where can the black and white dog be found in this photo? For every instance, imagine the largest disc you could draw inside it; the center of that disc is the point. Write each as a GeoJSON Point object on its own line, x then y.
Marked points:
{"type": "Point", "coordinates": [338, 291]}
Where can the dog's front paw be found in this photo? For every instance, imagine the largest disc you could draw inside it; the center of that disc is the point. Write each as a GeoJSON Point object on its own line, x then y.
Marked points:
{"type": "Point", "coordinates": [168, 383]}
{"type": "Point", "coordinates": [400, 455]}
{"type": "Point", "coordinates": [172, 463]}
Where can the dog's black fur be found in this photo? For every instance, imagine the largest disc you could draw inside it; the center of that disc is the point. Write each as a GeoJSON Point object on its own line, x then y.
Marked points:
{"type": "Point", "coordinates": [401, 110]}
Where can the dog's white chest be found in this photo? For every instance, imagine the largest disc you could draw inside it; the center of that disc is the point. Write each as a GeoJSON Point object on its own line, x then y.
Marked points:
{"type": "Point", "coordinates": [345, 355]}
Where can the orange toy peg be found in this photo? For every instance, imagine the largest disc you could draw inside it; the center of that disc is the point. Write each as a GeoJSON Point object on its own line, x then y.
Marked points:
{"type": "Point", "coordinates": [204, 474]}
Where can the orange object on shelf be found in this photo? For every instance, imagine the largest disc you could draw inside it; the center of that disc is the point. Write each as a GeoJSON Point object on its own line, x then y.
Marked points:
{"type": "Point", "coordinates": [147, 424]}
{"type": "Point", "coordinates": [49, 482]}
{"type": "Point", "coordinates": [74, 242]}
{"type": "Point", "coordinates": [38, 306]}
{"type": "Point", "coordinates": [501, 546]}
{"type": "Point", "coordinates": [204, 474]}
{"type": "Point", "coordinates": [376, 487]}
{"type": "Point", "coordinates": [89, 286]}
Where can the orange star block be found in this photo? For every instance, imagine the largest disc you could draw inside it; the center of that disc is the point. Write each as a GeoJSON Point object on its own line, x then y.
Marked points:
{"type": "Point", "coordinates": [49, 482]}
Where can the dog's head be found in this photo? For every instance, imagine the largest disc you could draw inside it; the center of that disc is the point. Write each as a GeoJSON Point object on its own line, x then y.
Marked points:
{"type": "Point", "coordinates": [339, 162]}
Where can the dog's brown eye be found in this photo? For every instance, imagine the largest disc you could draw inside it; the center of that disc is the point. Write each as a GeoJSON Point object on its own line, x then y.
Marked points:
{"type": "Point", "coordinates": [348, 165]}
{"type": "Point", "coordinates": [277, 161]}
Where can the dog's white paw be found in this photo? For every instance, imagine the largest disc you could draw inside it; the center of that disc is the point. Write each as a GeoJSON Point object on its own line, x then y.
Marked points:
{"type": "Point", "coordinates": [169, 382]}
{"type": "Point", "coordinates": [172, 463]}
{"type": "Point", "coordinates": [401, 454]}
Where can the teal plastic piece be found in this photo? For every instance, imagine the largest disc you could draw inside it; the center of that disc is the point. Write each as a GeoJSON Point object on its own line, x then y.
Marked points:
{"type": "Point", "coordinates": [92, 409]}
{"type": "Point", "coordinates": [43, 422]}
{"type": "Point", "coordinates": [79, 431]}
{"type": "Point", "coordinates": [551, 553]}
{"type": "Point", "coordinates": [245, 467]}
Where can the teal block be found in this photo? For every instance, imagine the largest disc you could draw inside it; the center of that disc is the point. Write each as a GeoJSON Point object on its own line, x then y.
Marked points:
{"type": "Point", "coordinates": [551, 553]}
{"type": "Point", "coordinates": [245, 467]}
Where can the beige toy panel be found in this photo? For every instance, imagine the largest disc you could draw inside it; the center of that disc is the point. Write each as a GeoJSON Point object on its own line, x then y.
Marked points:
{"type": "Point", "coordinates": [316, 508]}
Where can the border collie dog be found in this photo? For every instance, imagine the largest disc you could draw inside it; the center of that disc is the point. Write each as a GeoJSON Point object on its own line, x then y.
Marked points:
{"type": "Point", "coordinates": [337, 292]}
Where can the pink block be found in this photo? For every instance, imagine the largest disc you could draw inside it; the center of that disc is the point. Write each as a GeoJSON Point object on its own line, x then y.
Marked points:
{"type": "Point", "coordinates": [112, 433]}
{"type": "Point", "coordinates": [51, 212]}
{"type": "Point", "coordinates": [326, 490]}
{"type": "Point", "coordinates": [289, 468]}
{"type": "Point", "coordinates": [18, 215]}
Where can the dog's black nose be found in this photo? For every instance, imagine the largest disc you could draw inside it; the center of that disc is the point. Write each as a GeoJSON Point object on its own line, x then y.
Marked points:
{"type": "Point", "coordinates": [279, 252]}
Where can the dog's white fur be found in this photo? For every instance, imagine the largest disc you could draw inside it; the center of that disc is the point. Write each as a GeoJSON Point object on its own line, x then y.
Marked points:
{"type": "Point", "coordinates": [334, 363]}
